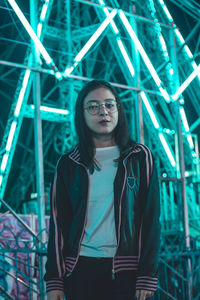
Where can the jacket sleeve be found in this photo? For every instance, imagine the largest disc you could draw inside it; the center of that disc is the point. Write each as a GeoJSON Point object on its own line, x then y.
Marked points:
{"type": "Point", "coordinates": [149, 235]}
{"type": "Point", "coordinates": [55, 268]}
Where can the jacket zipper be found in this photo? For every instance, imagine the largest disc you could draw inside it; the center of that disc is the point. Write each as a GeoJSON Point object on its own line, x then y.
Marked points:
{"type": "Point", "coordinates": [84, 219]}
{"type": "Point", "coordinates": [113, 268]}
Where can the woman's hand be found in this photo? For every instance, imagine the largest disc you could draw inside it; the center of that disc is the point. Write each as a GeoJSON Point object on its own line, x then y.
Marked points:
{"type": "Point", "coordinates": [55, 295]}
{"type": "Point", "coordinates": [142, 294]}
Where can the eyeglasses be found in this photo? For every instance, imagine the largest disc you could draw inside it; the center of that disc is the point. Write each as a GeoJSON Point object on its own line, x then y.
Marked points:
{"type": "Point", "coordinates": [94, 107]}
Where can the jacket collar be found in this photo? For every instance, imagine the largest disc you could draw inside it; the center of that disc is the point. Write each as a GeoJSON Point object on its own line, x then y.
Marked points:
{"type": "Point", "coordinates": [132, 148]}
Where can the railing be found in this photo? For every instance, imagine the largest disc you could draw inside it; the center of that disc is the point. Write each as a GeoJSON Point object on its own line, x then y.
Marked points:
{"type": "Point", "coordinates": [21, 257]}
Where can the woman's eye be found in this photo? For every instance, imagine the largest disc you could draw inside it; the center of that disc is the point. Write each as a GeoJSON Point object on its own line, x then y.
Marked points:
{"type": "Point", "coordinates": [109, 105]}
{"type": "Point", "coordinates": [93, 107]}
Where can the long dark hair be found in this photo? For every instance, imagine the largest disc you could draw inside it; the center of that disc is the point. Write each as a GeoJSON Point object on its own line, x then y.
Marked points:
{"type": "Point", "coordinates": [86, 144]}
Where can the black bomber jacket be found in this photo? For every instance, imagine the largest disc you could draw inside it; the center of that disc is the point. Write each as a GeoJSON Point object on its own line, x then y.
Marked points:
{"type": "Point", "coordinates": [136, 210]}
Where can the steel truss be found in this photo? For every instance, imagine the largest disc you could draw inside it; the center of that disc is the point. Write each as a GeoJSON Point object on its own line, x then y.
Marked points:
{"type": "Point", "coordinates": [67, 27]}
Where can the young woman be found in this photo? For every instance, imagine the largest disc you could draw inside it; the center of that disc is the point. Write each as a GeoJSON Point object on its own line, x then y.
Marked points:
{"type": "Point", "coordinates": [104, 226]}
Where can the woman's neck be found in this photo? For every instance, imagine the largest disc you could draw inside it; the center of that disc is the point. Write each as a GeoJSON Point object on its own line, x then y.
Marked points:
{"type": "Point", "coordinates": [101, 143]}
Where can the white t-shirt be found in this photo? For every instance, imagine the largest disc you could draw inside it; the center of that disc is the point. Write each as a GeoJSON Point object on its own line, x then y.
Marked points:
{"type": "Point", "coordinates": [99, 238]}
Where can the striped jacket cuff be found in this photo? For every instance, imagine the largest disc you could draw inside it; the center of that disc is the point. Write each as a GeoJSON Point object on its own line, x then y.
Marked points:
{"type": "Point", "coordinates": [55, 284]}
{"type": "Point", "coordinates": [146, 283]}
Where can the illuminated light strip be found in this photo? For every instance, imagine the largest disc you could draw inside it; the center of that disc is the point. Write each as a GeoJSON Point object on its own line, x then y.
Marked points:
{"type": "Point", "coordinates": [167, 149]}
{"type": "Point", "coordinates": [114, 27]}
{"type": "Point", "coordinates": [22, 92]}
{"type": "Point", "coordinates": [11, 135]}
{"type": "Point", "coordinates": [52, 110]}
{"type": "Point", "coordinates": [157, 126]}
{"type": "Point", "coordinates": [119, 41]}
{"type": "Point", "coordinates": [90, 42]}
{"type": "Point", "coordinates": [42, 18]}
{"type": "Point", "coordinates": [31, 32]}
{"type": "Point", "coordinates": [150, 110]}
{"type": "Point", "coordinates": [186, 127]}
{"type": "Point", "coordinates": [179, 36]}
{"type": "Point", "coordinates": [144, 55]}
{"type": "Point", "coordinates": [126, 57]}
{"type": "Point", "coordinates": [4, 162]}
{"type": "Point", "coordinates": [189, 79]}
{"type": "Point", "coordinates": [186, 83]}
{"type": "Point", "coordinates": [162, 41]}
{"type": "Point", "coordinates": [20, 99]}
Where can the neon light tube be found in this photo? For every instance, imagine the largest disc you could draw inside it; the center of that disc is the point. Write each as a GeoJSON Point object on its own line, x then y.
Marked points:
{"type": "Point", "coordinates": [126, 57]}
{"type": "Point", "coordinates": [184, 119]}
{"type": "Point", "coordinates": [44, 10]}
{"type": "Point", "coordinates": [22, 92]}
{"type": "Point", "coordinates": [114, 27]}
{"type": "Point", "coordinates": [91, 41]}
{"type": "Point", "coordinates": [95, 36]}
{"type": "Point", "coordinates": [143, 54]}
{"type": "Point", "coordinates": [11, 135]}
{"type": "Point", "coordinates": [150, 110]}
{"type": "Point", "coordinates": [186, 83]}
{"type": "Point", "coordinates": [167, 150]}
{"type": "Point", "coordinates": [186, 127]}
{"type": "Point", "coordinates": [119, 42]}
{"type": "Point", "coordinates": [31, 32]}
{"type": "Point", "coordinates": [166, 10]}
{"type": "Point", "coordinates": [52, 110]}
{"type": "Point", "coordinates": [190, 141]}
{"type": "Point", "coordinates": [4, 162]}
{"type": "Point", "coordinates": [178, 34]}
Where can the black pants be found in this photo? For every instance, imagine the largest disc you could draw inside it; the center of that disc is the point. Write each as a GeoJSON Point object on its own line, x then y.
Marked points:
{"type": "Point", "coordinates": [92, 280]}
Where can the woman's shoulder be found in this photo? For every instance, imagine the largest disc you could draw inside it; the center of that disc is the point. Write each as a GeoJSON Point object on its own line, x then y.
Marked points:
{"type": "Point", "coordinates": [68, 157]}
{"type": "Point", "coordinates": [142, 151]}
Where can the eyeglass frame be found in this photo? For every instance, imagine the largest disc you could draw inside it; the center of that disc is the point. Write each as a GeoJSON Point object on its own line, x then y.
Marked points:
{"type": "Point", "coordinates": [99, 106]}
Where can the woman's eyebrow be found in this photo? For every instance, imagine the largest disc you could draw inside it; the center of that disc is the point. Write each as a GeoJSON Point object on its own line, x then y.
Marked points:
{"type": "Point", "coordinates": [107, 99]}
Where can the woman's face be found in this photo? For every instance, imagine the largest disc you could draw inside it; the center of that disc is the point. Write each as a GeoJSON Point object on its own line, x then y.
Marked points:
{"type": "Point", "coordinates": [103, 123]}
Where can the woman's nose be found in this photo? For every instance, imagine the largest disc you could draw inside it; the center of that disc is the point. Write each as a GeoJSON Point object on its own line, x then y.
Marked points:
{"type": "Point", "coordinates": [102, 109]}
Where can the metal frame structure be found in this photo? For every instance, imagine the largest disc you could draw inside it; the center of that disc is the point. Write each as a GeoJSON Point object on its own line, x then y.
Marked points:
{"type": "Point", "coordinates": [108, 39]}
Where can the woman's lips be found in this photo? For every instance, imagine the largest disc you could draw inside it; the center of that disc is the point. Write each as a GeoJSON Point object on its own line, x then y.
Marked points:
{"type": "Point", "coordinates": [103, 122]}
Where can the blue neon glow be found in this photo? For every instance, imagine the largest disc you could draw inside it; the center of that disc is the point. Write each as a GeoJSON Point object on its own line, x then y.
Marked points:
{"type": "Point", "coordinates": [4, 162]}
{"type": "Point", "coordinates": [167, 150]}
{"type": "Point", "coordinates": [150, 110]}
{"type": "Point", "coordinates": [90, 42]}
{"type": "Point", "coordinates": [11, 135]}
{"type": "Point", "coordinates": [144, 55]}
{"type": "Point", "coordinates": [186, 83]}
{"type": "Point", "coordinates": [52, 110]}
{"type": "Point", "coordinates": [126, 57]}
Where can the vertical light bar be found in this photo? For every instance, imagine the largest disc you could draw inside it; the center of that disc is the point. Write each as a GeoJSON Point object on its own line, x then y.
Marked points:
{"type": "Point", "coordinates": [161, 39]}
{"type": "Point", "coordinates": [157, 126]}
{"type": "Point", "coordinates": [11, 135]}
{"type": "Point", "coordinates": [150, 110]}
{"type": "Point", "coordinates": [119, 42]}
{"type": "Point", "coordinates": [126, 57]}
{"type": "Point", "coordinates": [167, 150]}
{"type": "Point", "coordinates": [90, 42]}
{"type": "Point", "coordinates": [20, 100]}
{"type": "Point", "coordinates": [144, 55]}
{"type": "Point", "coordinates": [22, 92]}
{"type": "Point", "coordinates": [186, 127]}
{"type": "Point", "coordinates": [4, 162]}
{"type": "Point", "coordinates": [179, 36]}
